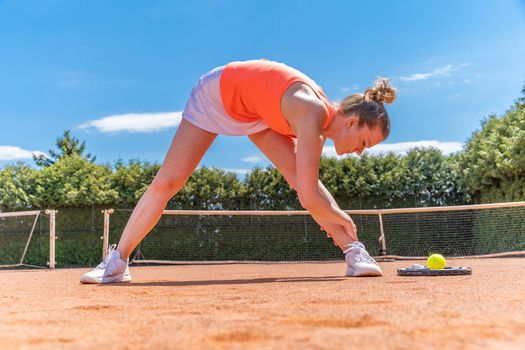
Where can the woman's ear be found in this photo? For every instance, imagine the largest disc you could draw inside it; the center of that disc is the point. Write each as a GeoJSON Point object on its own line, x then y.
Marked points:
{"type": "Point", "coordinates": [352, 121]}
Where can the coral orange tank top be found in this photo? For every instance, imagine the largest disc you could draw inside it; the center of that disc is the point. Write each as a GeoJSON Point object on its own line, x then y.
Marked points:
{"type": "Point", "coordinates": [252, 90]}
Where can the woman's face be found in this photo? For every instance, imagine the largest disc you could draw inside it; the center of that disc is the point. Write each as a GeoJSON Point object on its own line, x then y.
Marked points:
{"type": "Point", "coordinates": [350, 138]}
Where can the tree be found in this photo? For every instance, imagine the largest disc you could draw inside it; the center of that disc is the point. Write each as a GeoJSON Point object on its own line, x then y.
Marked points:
{"type": "Point", "coordinates": [67, 146]}
{"type": "Point", "coordinates": [209, 189]}
{"type": "Point", "coordinates": [494, 157]}
{"type": "Point", "coordinates": [74, 181]}
{"type": "Point", "coordinates": [431, 178]}
{"type": "Point", "coordinates": [267, 189]}
{"type": "Point", "coordinates": [17, 187]}
{"type": "Point", "coordinates": [520, 102]}
{"type": "Point", "coordinates": [132, 180]}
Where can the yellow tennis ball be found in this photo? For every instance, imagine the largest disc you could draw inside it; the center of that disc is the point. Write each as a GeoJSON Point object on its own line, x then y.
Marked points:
{"type": "Point", "coordinates": [436, 262]}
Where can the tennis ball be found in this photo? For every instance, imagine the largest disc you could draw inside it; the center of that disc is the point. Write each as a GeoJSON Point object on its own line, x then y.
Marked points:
{"type": "Point", "coordinates": [436, 262]}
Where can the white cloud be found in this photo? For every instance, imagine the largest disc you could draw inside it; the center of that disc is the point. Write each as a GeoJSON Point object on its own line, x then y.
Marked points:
{"type": "Point", "coordinates": [72, 78]}
{"type": "Point", "coordinates": [252, 159]}
{"type": "Point", "coordinates": [329, 151]}
{"type": "Point", "coordinates": [238, 171]}
{"type": "Point", "coordinates": [347, 89]}
{"type": "Point", "coordinates": [442, 71]}
{"type": "Point", "coordinates": [135, 122]}
{"type": "Point", "coordinates": [402, 147]}
{"type": "Point", "coordinates": [15, 153]}
{"type": "Point", "coordinates": [422, 76]}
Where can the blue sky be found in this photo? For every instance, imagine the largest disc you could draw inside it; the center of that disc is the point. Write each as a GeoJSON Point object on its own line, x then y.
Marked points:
{"type": "Point", "coordinates": [118, 73]}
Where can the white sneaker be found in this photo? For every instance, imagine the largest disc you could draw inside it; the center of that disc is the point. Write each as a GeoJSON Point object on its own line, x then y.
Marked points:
{"type": "Point", "coordinates": [112, 269]}
{"type": "Point", "coordinates": [360, 263]}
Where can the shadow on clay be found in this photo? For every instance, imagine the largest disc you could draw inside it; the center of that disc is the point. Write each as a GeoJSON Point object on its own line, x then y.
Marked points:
{"type": "Point", "coordinates": [232, 281]}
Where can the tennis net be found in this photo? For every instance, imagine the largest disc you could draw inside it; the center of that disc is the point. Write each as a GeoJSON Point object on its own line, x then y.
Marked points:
{"type": "Point", "coordinates": [25, 239]}
{"type": "Point", "coordinates": [474, 230]}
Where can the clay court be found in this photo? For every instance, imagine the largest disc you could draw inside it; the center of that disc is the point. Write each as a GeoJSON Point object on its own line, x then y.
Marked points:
{"type": "Point", "coordinates": [266, 306]}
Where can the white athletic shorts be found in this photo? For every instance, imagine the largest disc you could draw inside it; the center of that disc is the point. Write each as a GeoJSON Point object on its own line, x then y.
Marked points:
{"type": "Point", "coordinates": [205, 109]}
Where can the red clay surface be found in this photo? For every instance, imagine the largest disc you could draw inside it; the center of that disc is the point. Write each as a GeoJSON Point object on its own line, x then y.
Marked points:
{"type": "Point", "coordinates": [266, 306]}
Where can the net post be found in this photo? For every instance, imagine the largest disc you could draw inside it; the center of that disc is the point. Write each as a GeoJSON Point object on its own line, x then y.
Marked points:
{"type": "Point", "coordinates": [382, 236]}
{"type": "Point", "coordinates": [29, 239]}
{"type": "Point", "coordinates": [52, 236]}
{"type": "Point", "coordinates": [105, 234]}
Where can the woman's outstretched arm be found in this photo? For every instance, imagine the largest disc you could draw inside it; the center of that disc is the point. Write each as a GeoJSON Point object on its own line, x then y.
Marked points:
{"type": "Point", "coordinates": [312, 194]}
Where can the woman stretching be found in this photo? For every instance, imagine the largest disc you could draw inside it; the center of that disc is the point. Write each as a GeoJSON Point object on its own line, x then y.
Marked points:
{"type": "Point", "coordinates": [289, 118]}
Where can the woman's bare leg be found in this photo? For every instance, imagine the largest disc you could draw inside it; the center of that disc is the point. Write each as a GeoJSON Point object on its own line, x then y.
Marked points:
{"type": "Point", "coordinates": [189, 145]}
{"type": "Point", "coordinates": [281, 152]}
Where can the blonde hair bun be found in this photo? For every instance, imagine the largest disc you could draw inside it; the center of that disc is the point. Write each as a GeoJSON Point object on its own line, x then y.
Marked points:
{"type": "Point", "coordinates": [382, 91]}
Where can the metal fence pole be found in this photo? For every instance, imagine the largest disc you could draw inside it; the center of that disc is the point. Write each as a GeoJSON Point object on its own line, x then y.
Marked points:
{"type": "Point", "coordinates": [382, 237]}
{"type": "Point", "coordinates": [105, 234]}
{"type": "Point", "coordinates": [52, 237]}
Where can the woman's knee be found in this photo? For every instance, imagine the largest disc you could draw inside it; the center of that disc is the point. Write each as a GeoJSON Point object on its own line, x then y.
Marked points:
{"type": "Point", "coordinates": [168, 184]}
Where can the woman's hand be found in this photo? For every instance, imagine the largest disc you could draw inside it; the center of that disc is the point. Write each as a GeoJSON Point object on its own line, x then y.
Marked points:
{"type": "Point", "coordinates": [351, 229]}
